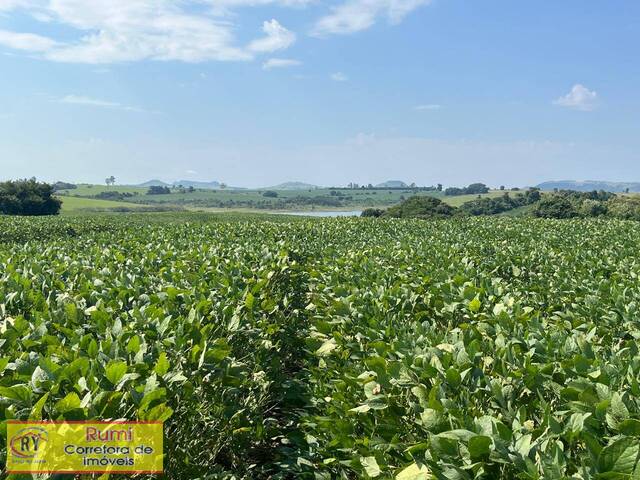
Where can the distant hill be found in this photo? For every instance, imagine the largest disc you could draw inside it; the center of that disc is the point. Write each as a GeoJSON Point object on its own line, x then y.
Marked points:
{"type": "Point", "coordinates": [392, 184]}
{"type": "Point", "coordinates": [590, 185]}
{"type": "Point", "coordinates": [154, 183]}
{"type": "Point", "coordinates": [294, 186]}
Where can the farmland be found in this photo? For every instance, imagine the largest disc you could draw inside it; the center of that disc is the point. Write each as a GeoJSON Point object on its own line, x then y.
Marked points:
{"type": "Point", "coordinates": [241, 199]}
{"type": "Point", "coordinates": [470, 348]}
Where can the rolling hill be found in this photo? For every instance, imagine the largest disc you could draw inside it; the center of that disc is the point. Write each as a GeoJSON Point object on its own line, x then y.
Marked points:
{"type": "Point", "coordinates": [294, 186]}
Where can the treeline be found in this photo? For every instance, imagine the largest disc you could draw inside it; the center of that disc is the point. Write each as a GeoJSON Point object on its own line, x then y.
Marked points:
{"type": "Point", "coordinates": [28, 197]}
{"type": "Point", "coordinates": [561, 204]}
{"type": "Point", "coordinates": [473, 189]}
{"type": "Point", "coordinates": [572, 204]}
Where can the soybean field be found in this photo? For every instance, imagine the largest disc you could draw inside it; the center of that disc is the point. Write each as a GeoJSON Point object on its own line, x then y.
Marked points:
{"type": "Point", "coordinates": [469, 348]}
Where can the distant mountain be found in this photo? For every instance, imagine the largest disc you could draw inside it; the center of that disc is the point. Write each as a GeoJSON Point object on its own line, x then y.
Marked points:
{"type": "Point", "coordinates": [392, 184]}
{"type": "Point", "coordinates": [214, 185]}
{"type": "Point", "coordinates": [294, 186]}
{"type": "Point", "coordinates": [590, 185]}
{"type": "Point", "coordinates": [154, 183]}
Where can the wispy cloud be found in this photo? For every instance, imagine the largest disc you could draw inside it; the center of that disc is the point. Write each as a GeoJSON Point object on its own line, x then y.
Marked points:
{"type": "Point", "coordinates": [280, 63]}
{"type": "Point", "coordinates": [26, 41]}
{"type": "Point", "coordinates": [94, 102]}
{"type": "Point", "coordinates": [339, 77]}
{"type": "Point", "coordinates": [116, 31]}
{"type": "Point", "coordinates": [277, 38]}
{"type": "Point", "coordinates": [357, 15]}
{"type": "Point", "coordinates": [422, 108]}
{"type": "Point", "coordinates": [579, 98]}
{"type": "Point", "coordinates": [132, 30]}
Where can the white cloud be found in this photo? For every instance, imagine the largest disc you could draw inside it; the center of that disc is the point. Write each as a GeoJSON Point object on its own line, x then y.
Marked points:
{"type": "Point", "coordinates": [111, 31]}
{"type": "Point", "coordinates": [579, 98]}
{"type": "Point", "coordinates": [191, 172]}
{"type": "Point", "coordinates": [26, 41]}
{"type": "Point", "coordinates": [357, 15]}
{"type": "Point", "coordinates": [280, 63]}
{"type": "Point", "coordinates": [339, 77]}
{"type": "Point", "coordinates": [277, 38]}
{"type": "Point", "coordinates": [422, 108]}
{"type": "Point", "coordinates": [6, 5]}
{"type": "Point", "coordinates": [94, 102]}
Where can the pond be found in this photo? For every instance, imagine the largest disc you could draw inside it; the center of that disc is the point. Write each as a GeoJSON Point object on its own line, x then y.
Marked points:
{"type": "Point", "coordinates": [317, 213]}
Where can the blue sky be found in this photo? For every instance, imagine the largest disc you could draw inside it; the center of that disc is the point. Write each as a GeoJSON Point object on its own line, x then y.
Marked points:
{"type": "Point", "coordinates": [256, 92]}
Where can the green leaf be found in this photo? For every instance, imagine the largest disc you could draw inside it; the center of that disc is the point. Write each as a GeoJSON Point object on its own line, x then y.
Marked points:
{"type": "Point", "coordinates": [475, 305]}
{"type": "Point", "coordinates": [134, 344]}
{"type": "Point", "coordinates": [249, 301]}
{"type": "Point", "coordinates": [68, 403]}
{"type": "Point", "coordinates": [620, 457]}
{"type": "Point", "coordinates": [453, 377]}
{"type": "Point", "coordinates": [218, 351]}
{"type": "Point", "coordinates": [115, 370]}
{"type": "Point", "coordinates": [159, 413]}
{"type": "Point", "coordinates": [480, 447]}
{"type": "Point", "coordinates": [414, 472]}
{"type": "Point", "coordinates": [630, 427]}
{"type": "Point", "coordinates": [361, 409]}
{"type": "Point", "coordinates": [92, 349]}
{"type": "Point", "coordinates": [162, 365]}
{"type": "Point", "coordinates": [326, 348]}
{"type": "Point", "coordinates": [36, 411]}
{"type": "Point", "coordinates": [20, 393]}
{"type": "Point", "coordinates": [370, 466]}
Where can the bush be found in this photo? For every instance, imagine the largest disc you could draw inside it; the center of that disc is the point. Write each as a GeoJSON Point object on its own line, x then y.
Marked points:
{"type": "Point", "coordinates": [270, 194]}
{"type": "Point", "coordinates": [28, 197]}
{"type": "Point", "coordinates": [372, 212]}
{"type": "Point", "coordinates": [473, 189]}
{"type": "Point", "coordinates": [493, 206]}
{"type": "Point", "coordinates": [421, 207]}
{"type": "Point", "coordinates": [158, 190]}
{"type": "Point", "coordinates": [593, 208]}
{"type": "Point", "coordinates": [63, 186]}
{"type": "Point", "coordinates": [554, 206]}
{"type": "Point", "coordinates": [627, 208]}
{"type": "Point", "coordinates": [113, 195]}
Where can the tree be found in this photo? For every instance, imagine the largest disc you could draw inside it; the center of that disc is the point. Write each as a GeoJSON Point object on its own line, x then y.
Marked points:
{"type": "Point", "coordinates": [554, 206]}
{"type": "Point", "coordinates": [421, 207]}
{"type": "Point", "coordinates": [63, 186]}
{"type": "Point", "coordinates": [28, 197]}
{"type": "Point", "coordinates": [110, 180]}
{"type": "Point", "coordinates": [158, 190]}
{"type": "Point", "coordinates": [502, 187]}
{"type": "Point", "coordinates": [372, 213]}
{"type": "Point", "coordinates": [223, 186]}
{"type": "Point", "coordinates": [439, 188]}
{"type": "Point", "coordinates": [270, 194]}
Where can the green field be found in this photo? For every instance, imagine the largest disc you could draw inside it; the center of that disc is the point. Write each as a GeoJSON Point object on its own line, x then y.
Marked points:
{"type": "Point", "coordinates": [471, 348]}
{"type": "Point", "coordinates": [301, 200]}
{"type": "Point", "coordinates": [79, 204]}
